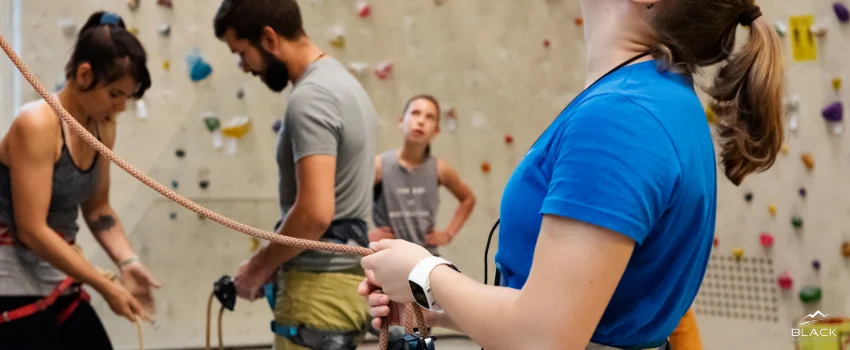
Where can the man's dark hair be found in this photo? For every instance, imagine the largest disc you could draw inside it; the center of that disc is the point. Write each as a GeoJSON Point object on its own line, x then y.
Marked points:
{"type": "Point", "coordinates": [248, 18]}
{"type": "Point", "coordinates": [113, 52]}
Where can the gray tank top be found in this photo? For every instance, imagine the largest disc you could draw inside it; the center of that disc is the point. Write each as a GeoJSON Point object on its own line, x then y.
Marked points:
{"type": "Point", "coordinates": [407, 200]}
{"type": "Point", "coordinates": [22, 273]}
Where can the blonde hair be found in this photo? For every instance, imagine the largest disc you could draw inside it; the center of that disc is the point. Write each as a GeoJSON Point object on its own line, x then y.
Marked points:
{"type": "Point", "coordinates": [748, 89]}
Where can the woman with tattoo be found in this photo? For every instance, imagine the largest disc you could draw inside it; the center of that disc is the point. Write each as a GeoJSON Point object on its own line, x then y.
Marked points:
{"type": "Point", "coordinates": [48, 173]}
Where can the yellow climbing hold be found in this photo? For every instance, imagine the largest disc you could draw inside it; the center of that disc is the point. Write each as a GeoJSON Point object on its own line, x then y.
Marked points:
{"type": "Point", "coordinates": [738, 252]}
{"type": "Point", "coordinates": [784, 149]}
{"type": "Point", "coordinates": [771, 209]}
{"type": "Point", "coordinates": [133, 30]}
{"type": "Point", "coordinates": [710, 115]}
{"type": "Point", "coordinates": [338, 42]}
{"type": "Point", "coordinates": [836, 83]}
{"type": "Point", "coordinates": [255, 244]}
{"type": "Point", "coordinates": [809, 160]}
{"type": "Point", "coordinates": [237, 127]}
{"type": "Point", "coordinates": [166, 65]}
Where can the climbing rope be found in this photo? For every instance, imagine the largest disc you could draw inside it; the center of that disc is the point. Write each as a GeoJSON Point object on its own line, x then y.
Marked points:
{"type": "Point", "coordinates": [383, 340]}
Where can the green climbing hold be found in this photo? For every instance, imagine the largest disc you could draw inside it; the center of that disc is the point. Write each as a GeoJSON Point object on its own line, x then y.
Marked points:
{"type": "Point", "coordinates": [211, 121]}
{"type": "Point", "coordinates": [797, 221]}
{"type": "Point", "coordinates": [810, 294]}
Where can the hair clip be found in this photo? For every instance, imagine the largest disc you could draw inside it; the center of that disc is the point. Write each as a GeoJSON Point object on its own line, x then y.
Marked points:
{"type": "Point", "coordinates": [110, 18]}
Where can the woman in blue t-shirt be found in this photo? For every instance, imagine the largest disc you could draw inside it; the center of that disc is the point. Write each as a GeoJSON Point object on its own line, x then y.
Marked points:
{"type": "Point", "coordinates": [608, 221]}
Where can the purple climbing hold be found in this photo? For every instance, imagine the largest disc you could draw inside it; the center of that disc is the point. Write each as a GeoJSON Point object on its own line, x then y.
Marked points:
{"type": "Point", "coordinates": [816, 264]}
{"type": "Point", "coordinates": [842, 12]}
{"type": "Point", "coordinates": [276, 126]}
{"type": "Point", "coordinates": [802, 191]}
{"type": "Point", "coordinates": [834, 112]}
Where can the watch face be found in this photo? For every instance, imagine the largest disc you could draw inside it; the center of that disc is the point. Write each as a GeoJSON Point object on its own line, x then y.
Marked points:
{"type": "Point", "coordinates": [419, 295]}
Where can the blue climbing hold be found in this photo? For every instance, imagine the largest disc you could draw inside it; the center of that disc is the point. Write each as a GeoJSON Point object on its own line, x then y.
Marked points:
{"type": "Point", "coordinates": [174, 184]}
{"type": "Point", "coordinates": [198, 68]}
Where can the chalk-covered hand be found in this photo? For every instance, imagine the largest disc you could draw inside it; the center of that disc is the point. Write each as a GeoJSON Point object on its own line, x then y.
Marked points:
{"type": "Point", "coordinates": [140, 282]}
{"type": "Point", "coordinates": [250, 278]}
{"type": "Point", "coordinates": [391, 264]}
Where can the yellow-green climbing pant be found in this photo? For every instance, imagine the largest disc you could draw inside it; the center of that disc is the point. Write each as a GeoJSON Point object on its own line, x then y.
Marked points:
{"type": "Point", "coordinates": [321, 300]}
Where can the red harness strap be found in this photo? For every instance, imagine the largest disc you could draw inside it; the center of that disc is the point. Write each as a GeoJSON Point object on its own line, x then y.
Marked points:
{"type": "Point", "coordinates": [44, 303]}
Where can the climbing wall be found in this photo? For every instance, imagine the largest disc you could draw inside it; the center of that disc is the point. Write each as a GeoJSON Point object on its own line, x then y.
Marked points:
{"type": "Point", "coordinates": [502, 71]}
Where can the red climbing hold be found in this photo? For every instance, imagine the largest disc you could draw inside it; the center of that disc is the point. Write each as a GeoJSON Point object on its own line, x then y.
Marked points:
{"type": "Point", "coordinates": [766, 240]}
{"type": "Point", "coordinates": [165, 3]}
{"type": "Point", "coordinates": [485, 167]}
{"type": "Point", "coordinates": [363, 9]}
{"type": "Point", "coordinates": [509, 139]}
{"type": "Point", "coordinates": [785, 281]}
{"type": "Point", "coordinates": [547, 43]}
{"type": "Point", "coordinates": [716, 241]}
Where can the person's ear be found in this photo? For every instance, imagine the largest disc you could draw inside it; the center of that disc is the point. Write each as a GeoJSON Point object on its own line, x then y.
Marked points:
{"type": "Point", "coordinates": [401, 123]}
{"type": "Point", "coordinates": [269, 40]}
{"type": "Point", "coordinates": [84, 76]}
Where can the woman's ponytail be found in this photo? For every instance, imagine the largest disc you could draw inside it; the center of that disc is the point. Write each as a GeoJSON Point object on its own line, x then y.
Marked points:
{"type": "Point", "coordinates": [748, 100]}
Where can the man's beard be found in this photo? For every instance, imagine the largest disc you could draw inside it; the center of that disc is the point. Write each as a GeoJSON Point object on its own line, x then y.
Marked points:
{"type": "Point", "coordinates": [276, 76]}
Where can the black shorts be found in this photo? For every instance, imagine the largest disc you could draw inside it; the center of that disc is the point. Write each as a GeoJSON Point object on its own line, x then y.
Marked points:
{"type": "Point", "coordinates": [81, 330]}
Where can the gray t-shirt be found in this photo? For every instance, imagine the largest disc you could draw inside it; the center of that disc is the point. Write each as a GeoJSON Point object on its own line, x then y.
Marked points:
{"type": "Point", "coordinates": [329, 112]}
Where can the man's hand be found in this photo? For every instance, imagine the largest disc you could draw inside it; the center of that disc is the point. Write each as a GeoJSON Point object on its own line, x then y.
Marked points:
{"type": "Point", "coordinates": [250, 278]}
{"type": "Point", "coordinates": [380, 233]}
{"type": "Point", "coordinates": [140, 283]}
{"type": "Point", "coordinates": [438, 238]}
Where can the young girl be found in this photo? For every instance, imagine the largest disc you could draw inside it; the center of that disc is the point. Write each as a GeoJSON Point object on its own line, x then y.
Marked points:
{"type": "Point", "coordinates": [407, 182]}
{"type": "Point", "coordinates": [47, 174]}
{"type": "Point", "coordinates": [608, 221]}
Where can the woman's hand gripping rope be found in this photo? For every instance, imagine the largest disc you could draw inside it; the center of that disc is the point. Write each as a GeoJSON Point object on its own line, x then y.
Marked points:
{"type": "Point", "coordinates": [174, 196]}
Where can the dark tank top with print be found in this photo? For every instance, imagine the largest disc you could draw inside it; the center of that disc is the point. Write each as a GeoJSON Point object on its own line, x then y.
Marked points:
{"type": "Point", "coordinates": [22, 273]}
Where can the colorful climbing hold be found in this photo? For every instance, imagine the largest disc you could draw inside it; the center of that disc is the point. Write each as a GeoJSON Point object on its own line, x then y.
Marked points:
{"type": "Point", "coordinates": [485, 167]}
{"type": "Point", "coordinates": [363, 9]}
{"type": "Point", "coordinates": [203, 184]}
{"type": "Point", "coordinates": [738, 253]}
{"type": "Point", "coordinates": [809, 160]}
{"type": "Point", "coordinates": [254, 245]}
{"type": "Point", "coordinates": [172, 215]}
{"type": "Point", "coordinates": [509, 139]}
{"type": "Point", "coordinates": [240, 94]}
{"type": "Point", "coordinates": [141, 109]}
{"type": "Point", "coordinates": [816, 264]}
{"type": "Point", "coordinates": [276, 125]}
{"type": "Point", "coordinates": [810, 294]}
{"type": "Point", "coordinates": [836, 83]}
{"type": "Point", "coordinates": [845, 249]}
{"type": "Point", "coordinates": [781, 28]}
{"type": "Point", "coordinates": [383, 69]}
{"type": "Point", "coordinates": [547, 43]}
{"type": "Point", "coordinates": [133, 30]}
{"type": "Point", "coordinates": [797, 221]}
{"type": "Point", "coordinates": [165, 3]}
{"type": "Point", "coordinates": [771, 209]}
{"type": "Point", "coordinates": [766, 239]}
{"type": "Point", "coordinates": [199, 69]}
{"type": "Point", "coordinates": [338, 41]}
{"type": "Point", "coordinates": [166, 65]}
{"type": "Point", "coordinates": [716, 241]}
{"type": "Point", "coordinates": [174, 184]}
{"type": "Point", "coordinates": [165, 30]}
{"type": "Point", "coordinates": [748, 197]}
{"type": "Point", "coordinates": [784, 149]}
{"type": "Point", "coordinates": [841, 12]}
{"type": "Point", "coordinates": [802, 192]}
{"type": "Point", "coordinates": [68, 26]}
{"type": "Point", "coordinates": [834, 112]}
{"type": "Point", "coordinates": [237, 127]}
{"type": "Point", "coordinates": [180, 153]}
{"type": "Point", "coordinates": [785, 281]}
{"type": "Point", "coordinates": [710, 115]}
{"type": "Point", "coordinates": [579, 21]}
{"type": "Point", "coordinates": [133, 4]}
{"type": "Point", "coordinates": [211, 121]}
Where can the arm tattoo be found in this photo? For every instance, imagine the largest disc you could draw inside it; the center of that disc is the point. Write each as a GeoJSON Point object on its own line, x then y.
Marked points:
{"type": "Point", "coordinates": [103, 223]}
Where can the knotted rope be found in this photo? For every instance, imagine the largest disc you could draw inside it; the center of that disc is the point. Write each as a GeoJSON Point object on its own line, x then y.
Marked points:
{"type": "Point", "coordinates": [174, 196]}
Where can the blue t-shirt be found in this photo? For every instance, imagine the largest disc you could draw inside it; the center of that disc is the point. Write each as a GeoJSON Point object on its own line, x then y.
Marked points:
{"type": "Point", "coordinates": [633, 154]}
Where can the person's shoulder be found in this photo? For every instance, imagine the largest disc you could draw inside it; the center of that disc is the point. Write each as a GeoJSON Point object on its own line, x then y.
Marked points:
{"type": "Point", "coordinates": [35, 119]}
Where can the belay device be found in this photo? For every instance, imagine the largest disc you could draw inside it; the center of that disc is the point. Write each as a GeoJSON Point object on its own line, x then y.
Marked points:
{"type": "Point", "coordinates": [225, 291]}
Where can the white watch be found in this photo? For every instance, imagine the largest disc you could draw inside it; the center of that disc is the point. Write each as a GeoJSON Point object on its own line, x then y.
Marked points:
{"type": "Point", "coordinates": [420, 281]}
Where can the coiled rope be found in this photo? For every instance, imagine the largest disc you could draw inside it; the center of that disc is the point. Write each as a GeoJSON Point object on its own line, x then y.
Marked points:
{"type": "Point", "coordinates": [383, 340]}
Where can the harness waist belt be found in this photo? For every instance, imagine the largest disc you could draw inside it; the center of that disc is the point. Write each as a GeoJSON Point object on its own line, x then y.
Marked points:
{"type": "Point", "coordinates": [44, 303]}
{"type": "Point", "coordinates": [316, 339]}
{"type": "Point", "coordinates": [664, 345]}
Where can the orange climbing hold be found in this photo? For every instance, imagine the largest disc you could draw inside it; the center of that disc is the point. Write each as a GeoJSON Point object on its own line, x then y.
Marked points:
{"type": "Point", "coordinates": [579, 21]}
{"type": "Point", "coordinates": [485, 167]}
{"type": "Point", "coordinates": [809, 160]}
{"type": "Point", "coordinates": [845, 249]}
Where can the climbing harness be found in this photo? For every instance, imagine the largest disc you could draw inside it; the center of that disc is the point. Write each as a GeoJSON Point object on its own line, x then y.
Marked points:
{"type": "Point", "coordinates": [174, 196]}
